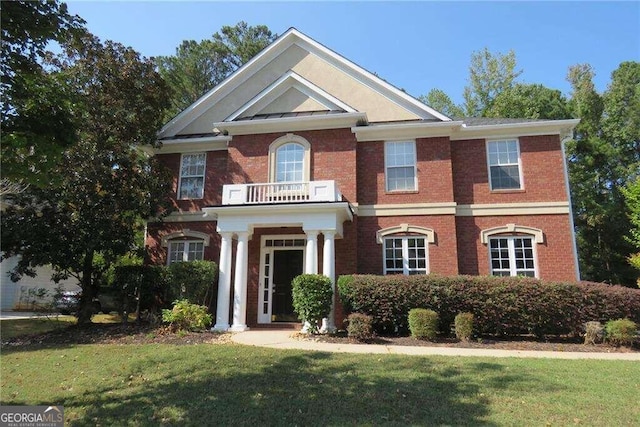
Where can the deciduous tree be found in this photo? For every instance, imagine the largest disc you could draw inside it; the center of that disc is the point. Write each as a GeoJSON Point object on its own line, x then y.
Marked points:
{"type": "Point", "coordinates": [441, 102]}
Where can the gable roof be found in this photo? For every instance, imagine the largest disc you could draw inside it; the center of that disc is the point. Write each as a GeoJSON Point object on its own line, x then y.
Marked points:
{"type": "Point", "coordinates": [296, 71]}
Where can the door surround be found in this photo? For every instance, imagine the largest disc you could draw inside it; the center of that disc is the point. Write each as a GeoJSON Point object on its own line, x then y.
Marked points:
{"type": "Point", "coordinates": [268, 245]}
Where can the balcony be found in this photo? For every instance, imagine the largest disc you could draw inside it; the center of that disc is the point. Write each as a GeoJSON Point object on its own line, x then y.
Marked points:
{"type": "Point", "coordinates": [280, 193]}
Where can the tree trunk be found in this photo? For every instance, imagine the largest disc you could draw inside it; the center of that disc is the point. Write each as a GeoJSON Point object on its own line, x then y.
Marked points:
{"type": "Point", "coordinates": [85, 310]}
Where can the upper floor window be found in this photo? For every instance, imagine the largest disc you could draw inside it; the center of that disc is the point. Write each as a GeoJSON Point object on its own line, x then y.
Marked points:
{"type": "Point", "coordinates": [512, 256]}
{"type": "Point", "coordinates": [192, 170]}
{"type": "Point", "coordinates": [186, 250]}
{"type": "Point", "coordinates": [503, 158]}
{"type": "Point", "coordinates": [400, 165]}
{"type": "Point", "coordinates": [290, 159]}
{"type": "Point", "coordinates": [290, 163]}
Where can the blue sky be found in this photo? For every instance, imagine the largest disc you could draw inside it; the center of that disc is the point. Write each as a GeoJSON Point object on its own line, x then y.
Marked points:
{"type": "Point", "coordinates": [416, 46]}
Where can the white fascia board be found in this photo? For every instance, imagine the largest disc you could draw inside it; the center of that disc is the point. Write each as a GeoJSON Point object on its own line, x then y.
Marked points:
{"type": "Point", "coordinates": [291, 124]}
{"type": "Point", "coordinates": [371, 80]}
{"type": "Point", "coordinates": [193, 145]}
{"type": "Point", "coordinates": [292, 80]}
{"type": "Point", "coordinates": [395, 131]}
{"type": "Point", "coordinates": [550, 127]}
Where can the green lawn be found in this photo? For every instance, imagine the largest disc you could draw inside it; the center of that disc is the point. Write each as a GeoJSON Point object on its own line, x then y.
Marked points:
{"type": "Point", "coordinates": [39, 324]}
{"type": "Point", "coordinates": [225, 384]}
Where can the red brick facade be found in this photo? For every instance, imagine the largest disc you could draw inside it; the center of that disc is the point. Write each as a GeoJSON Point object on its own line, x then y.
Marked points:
{"type": "Point", "coordinates": [448, 172]}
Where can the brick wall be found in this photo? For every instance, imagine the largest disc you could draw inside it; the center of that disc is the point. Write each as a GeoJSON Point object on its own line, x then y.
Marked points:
{"type": "Point", "coordinates": [155, 232]}
{"type": "Point", "coordinates": [554, 256]}
{"type": "Point", "coordinates": [542, 170]}
{"type": "Point", "coordinates": [433, 166]}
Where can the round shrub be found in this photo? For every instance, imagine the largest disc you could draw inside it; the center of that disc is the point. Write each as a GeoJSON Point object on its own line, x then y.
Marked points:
{"type": "Point", "coordinates": [187, 316]}
{"type": "Point", "coordinates": [423, 323]}
{"type": "Point", "coordinates": [360, 326]}
{"type": "Point", "coordinates": [593, 332]}
{"type": "Point", "coordinates": [312, 296]}
{"type": "Point", "coordinates": [621, 331]}
{"type": "Point", "coordinates": [464, 326]}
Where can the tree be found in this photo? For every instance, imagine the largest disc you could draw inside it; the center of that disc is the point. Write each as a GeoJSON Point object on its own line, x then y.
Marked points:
{"type": "Point", "coordinates": [106, 185]}
{"type": "Point", "coordinates": [530, 101]}
{"type": "Point", "coordinates": [632, 198]}
{"type": "Point", "coordinates": [602, 160]}
{"type": "Point", "coordinates": [199, 66]}
{"type": "Point", "coordinates": [441, 102]}
{"type": "Point", "coordinates": [36, 107]}
{"type": "Point", "coordinates": [489, 75]}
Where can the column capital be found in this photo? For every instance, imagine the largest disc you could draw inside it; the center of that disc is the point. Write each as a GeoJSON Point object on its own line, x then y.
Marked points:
{"type": "Point", "coordinates": [329, 233]}
{"type": "Point", "coordinates": [312, 233]}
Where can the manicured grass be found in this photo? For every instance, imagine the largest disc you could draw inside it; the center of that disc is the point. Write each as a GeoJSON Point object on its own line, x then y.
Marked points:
{"type": "Point", "coordinates": [226, 384]}
{"type": "Point", "coordinates": [11, 328]}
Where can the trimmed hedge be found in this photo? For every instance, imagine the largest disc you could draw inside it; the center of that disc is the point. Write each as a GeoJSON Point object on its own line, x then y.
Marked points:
{"type": "Point", "coordinates": [500, 305]}
{"type": "Point", "coordinates": [423, 323]}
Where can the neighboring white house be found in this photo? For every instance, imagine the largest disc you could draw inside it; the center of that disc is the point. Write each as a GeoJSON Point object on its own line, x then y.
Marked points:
{"type": "Point", "coordinates": [19, 295]}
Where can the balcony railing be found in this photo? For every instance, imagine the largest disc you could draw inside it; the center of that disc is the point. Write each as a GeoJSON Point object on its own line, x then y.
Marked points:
{"type": "Point", "coordinates": [280, 192]}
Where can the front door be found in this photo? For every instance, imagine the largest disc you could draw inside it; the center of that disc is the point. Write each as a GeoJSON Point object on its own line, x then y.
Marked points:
{"type": "Point", "coordinates": [281, 259]}
{"type": "Point", "coordinates": [287, 264]}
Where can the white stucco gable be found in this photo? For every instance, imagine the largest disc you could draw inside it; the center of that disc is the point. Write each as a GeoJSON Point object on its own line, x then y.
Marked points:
{"type": "Point", "coordinates": [297, 74]}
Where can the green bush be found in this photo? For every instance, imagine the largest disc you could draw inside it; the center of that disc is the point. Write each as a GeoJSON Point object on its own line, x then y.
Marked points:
{"type": "Point", "coordinates": [423, 323]}
{"type": "Point", "coordinates": [593, 333]}
{"type": "Point", "coordinates": [148, 282]}
{"type": "Point", "coordinates": [463, 323]}
{"type": "Point", "coordinates": [194, 281]}
{"type": "Point", "coordinates": [187, 316]}
{"type": "Point", "coordinates": [312, 296]}
{"type": "Point", "coordinates": [621, 331]}
{"type": "Point", "coordinates": [501, 305]}
{"type": "Point", "coordinates": [360, 327]}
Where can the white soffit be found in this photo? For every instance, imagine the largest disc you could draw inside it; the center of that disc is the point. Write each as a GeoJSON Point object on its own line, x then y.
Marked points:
{"type": "Point", "coordinates": [271, 52]}
{"type": "Point", "coordinates": [284, 83]}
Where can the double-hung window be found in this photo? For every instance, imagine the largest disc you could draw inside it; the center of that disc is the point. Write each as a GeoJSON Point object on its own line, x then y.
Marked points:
{"type": "Point", "coordinates": [503, 158]}
{"type": "Point", "coordinates": [186, 250]}
{"type": "Point", "coordinates": [192, 176]}
{"type": "Point", "coordinates": [400, 165]}
{"type": "Point", "coordinates": [290, 163]}
{"type": "Point", "coordinates": [405, 255]}
{"type": "Point", "coordinates": [512, 256]}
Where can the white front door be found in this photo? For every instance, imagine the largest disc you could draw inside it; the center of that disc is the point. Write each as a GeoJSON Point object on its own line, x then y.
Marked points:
{"type": "Point", "coordinates": [281, 259]}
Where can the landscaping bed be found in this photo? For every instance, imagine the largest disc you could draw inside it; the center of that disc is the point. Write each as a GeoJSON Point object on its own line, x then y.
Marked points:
{"type": "Point", "coordinates": [524, 343]}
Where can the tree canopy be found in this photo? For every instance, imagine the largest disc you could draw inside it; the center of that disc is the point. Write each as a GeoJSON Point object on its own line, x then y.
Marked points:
{"type": "Point", "coordinates": [105, 184]}
{"type": "Point", "coordinates": [197, 67]}
{"type": "Point", "coordinates": [36, 103]}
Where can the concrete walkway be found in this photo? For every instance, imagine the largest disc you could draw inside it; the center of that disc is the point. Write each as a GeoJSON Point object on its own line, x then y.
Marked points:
{"type": "Point", "coordinates": [284, 339]}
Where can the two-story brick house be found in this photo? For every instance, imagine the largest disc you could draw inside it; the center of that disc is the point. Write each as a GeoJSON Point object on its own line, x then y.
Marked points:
{"type": "Point", "coordinates": [302, 161]}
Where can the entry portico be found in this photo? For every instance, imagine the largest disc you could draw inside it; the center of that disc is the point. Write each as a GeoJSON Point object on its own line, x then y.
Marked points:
{"type": "Point", "coordinates": [237, 220]}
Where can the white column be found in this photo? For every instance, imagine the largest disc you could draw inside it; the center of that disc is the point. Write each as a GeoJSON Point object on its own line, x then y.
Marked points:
{"type": "Point", "coordinates": [311, 257]}
{"type": "Point", "coordinates": [224, 284]}
{"type": "Point", "coordinates": [240, 284]}
{"type": "Point", "coordinates": [329, 270]}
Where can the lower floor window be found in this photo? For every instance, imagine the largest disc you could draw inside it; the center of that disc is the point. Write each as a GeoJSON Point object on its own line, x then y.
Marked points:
{"type": "Point", "coordinates": [405, 255]}
{"type": "Point", "coordinates": [186, 250]}
{"type": "Point", "coordinates": [512, 256]}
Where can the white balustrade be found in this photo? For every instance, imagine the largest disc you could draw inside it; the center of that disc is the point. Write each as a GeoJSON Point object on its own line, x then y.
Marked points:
{"type": "Point", "coordinates": [280, 192]}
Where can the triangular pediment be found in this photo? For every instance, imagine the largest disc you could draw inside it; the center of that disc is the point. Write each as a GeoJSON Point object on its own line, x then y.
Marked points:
{"type": "Point", "coordinates": [297, 75]}
{"type": "Point", "coordinates": [291, 93]}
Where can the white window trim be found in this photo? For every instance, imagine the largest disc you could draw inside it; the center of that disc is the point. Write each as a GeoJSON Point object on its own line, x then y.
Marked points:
{"type": "Point", "coordinates": [415, 167]}
{"type": "Point", "coordinates": [405, 253]}
{"type": "Point", "coordinates": [512, 253]}
{"type": "Point", "coordinates": [512, 228]}
{"type": "Point", "coordinates": [195, 235]}
{"type": "Point", "coordinates": [286, 139]}
{"type": "Point", "coordinates": [520, 174]}
{"type": "Point", "coordinates": [204, 175]}
{"type": "Point", "coordinates": [185, 253]}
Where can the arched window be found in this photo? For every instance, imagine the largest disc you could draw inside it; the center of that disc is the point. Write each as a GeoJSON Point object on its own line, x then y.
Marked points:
{"type": "Point", "coordinates": [405, 249]}
{"type": "Point", "coordinates": [512, 249]}
{"type": "Point", "coordinates": [185, 245]}
{"type": "Point", "coordinates": [290, 159]}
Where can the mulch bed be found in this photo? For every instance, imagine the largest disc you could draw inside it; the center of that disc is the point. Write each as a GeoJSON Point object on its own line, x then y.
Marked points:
{"type": "Point", "coordinates": [116, 334]}
{"type": "Point", "coordinates": [120, 334]}
{"type": "Point", "coordinates": [561, 344]}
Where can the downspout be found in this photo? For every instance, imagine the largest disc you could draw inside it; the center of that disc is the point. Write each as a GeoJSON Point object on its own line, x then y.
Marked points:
{"type": "Point", "coordinates": [565, 138]}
